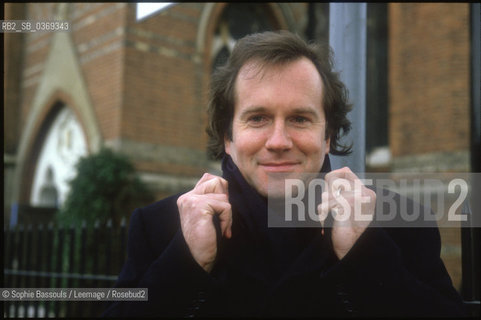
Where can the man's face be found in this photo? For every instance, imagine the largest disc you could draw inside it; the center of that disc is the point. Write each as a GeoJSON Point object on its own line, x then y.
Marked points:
{"type": "Point", "coordinates": [279, 123]}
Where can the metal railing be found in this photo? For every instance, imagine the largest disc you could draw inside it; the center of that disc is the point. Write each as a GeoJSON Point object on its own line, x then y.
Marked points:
{"type": "Point", "coordinates": [54, 256]}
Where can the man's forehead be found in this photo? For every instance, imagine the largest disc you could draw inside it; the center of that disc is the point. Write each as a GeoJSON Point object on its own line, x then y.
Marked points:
{"type": "Point", "coordinates": [251, 98]}
{"type": "Point", "coordinates": [253, 69]}
{"type": "Point", "coordinates": [257, 70]}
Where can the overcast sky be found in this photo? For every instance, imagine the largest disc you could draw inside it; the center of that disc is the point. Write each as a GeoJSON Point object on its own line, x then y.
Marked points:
{"type": "Point", "coordinates": [147, 8]}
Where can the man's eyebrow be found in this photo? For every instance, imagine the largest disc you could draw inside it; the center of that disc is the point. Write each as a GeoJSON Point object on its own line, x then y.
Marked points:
{"type": "Point", "coordinates": [261, 109]}
{"type": "Point", "coordinates": [251, 110]}
{"type": "Point", "coordinates": [305, 110]}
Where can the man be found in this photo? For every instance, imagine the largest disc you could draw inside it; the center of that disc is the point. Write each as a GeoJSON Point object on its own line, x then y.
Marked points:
{"type": "Point", "coordinates": [277, 108]}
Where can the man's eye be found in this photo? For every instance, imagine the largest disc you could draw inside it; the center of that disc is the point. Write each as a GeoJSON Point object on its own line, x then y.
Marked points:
{"type": "Point", "coordinates": [256, 120]}
{"type": "Point", "coordinates": [300, 120]}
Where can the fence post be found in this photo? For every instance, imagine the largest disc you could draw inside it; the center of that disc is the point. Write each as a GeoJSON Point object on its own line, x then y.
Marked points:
{"type": "Point", "coordinates": [70, 306]}
{"type": "Point", "coordinates": [59, 263]}
{"type": "Point", "coordinates": [37, 257]}
{"type": "Point", "coordinates": [19, 266]}
{"type": "Point", "coordinates": [38, 265]}
{"type": "Point", "coordinates": [50, 244]}
{"type": "Point", "coordinates": [83, 254]}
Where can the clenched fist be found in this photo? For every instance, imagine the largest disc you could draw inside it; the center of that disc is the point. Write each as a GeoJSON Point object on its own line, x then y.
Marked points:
{"type": "Point", "coordinates": [197, 209]}
{"type": "Point", "coordinates": [352, 205]}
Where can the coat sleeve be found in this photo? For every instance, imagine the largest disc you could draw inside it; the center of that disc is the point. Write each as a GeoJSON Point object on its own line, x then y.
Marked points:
{"type": "Point", "coordinates": [176, 284]}
{"type": "Point", "coordinates": [396, 272]}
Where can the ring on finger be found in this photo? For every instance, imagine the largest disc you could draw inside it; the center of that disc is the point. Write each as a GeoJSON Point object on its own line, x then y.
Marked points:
{"type": "Point", "coordinates": [337, 192]}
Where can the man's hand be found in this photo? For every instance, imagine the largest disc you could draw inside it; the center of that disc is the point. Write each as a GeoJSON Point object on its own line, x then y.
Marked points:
{"type": "Point", "coordinates": [197, 208]}
{"type": "Point", "coordinates": [352, 205]}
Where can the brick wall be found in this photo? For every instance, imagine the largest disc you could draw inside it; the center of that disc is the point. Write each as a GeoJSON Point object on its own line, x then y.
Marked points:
{"type": "Point", "coordinates": [428, 77]}
{"type": "Point", "coordinates": [34, 56]}
{"type": "Point", "coordinates": [163, 102]}
{"type": "Point", "coordinates": [163, 91]}
{"type": "Point", "coordinates": [98, 37]}
{"type": "Point", "coordinates": [429, 97]}
{"type": "Point", "coordinates": [146, 80]}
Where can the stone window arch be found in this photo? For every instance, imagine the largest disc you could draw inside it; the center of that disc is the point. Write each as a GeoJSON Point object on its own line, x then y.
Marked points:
{"type": "Point", "coordinates": [62, 147]}
{"type": "Point", "coordinates": [236, 21]}
{"type": "Point", "coordinates": [48, 196]}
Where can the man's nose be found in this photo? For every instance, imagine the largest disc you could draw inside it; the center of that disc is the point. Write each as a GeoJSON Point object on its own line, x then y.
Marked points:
{"type": "Point", "coordinates": [279, 139]}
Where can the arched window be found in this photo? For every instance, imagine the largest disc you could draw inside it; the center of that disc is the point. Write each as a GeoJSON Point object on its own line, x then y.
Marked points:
{"type": "Point", "coordinates": [238, 20]}
{"type": "Point", "coordinates": [48, 196]}
{"type": "Point", "coordinates": [64, 144]}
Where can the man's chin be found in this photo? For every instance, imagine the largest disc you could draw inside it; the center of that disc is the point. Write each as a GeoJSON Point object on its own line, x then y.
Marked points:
{"type": "Point", "coordinates": [276, 188]}
{"type": "Point", "coordinates": [273, 185]}
{"type": "Point", "coordinates": [272, 190]}
{"type": "Point", "coordinates": [276, 193]}
{"type": "Point", "coordinates": [280, 185]}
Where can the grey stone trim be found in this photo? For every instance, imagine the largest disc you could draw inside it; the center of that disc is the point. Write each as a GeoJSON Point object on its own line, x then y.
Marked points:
{"type": "Point", "coordinates": [143, 151]}
{"type": "Point", "coordinates": [174, 184]}
{"type": "Point", "coordinates": [37, 68]}
{"type": "Point", "coordinates": [151, 36]}
{"type": "Point", "coordinates": [38, 45]}
{"type": "Point", "coordinates": [161, 50]}
{"type": "Point", "coordinates": [93, 18]}
{"type": "Point", "coordinates": [202, 27]}
{"type": "Point", "coordinates": [100, 52]}
{"type": "Point", "coordinates": [167, 183]}
{"type": "Point", "coordinates": [180, 16]}
{"type": "Point", "coordinates": [31, 81]}
{"type": "Point", "coordinates": [433, 162]}
{"type": "Point", "coordinates": [100, 40]}
{"type": "Point", "coordinates": [78, 12]}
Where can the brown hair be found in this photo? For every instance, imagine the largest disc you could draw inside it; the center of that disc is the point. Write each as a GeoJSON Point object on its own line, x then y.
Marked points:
{"type": "Point", "coordinates": [276, 48]}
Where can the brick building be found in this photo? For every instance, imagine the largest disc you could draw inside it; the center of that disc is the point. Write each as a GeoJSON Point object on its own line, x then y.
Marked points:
{"type": "Point", "coordinates": [139, 87]}
{"type": "Point", "coordinates": [429, 81]}
{"type": "Point", "coordinates": [429, 98]}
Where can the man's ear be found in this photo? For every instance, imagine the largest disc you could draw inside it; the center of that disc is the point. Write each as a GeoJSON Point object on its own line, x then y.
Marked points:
{"type": "Point", "coordinates": [328, 145]}
{"type": "Point", "coordinates": [227, 143]}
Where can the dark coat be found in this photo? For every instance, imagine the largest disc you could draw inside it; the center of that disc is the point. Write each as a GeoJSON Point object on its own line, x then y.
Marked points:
{"type": "Point", "coordinates": [392, 271]}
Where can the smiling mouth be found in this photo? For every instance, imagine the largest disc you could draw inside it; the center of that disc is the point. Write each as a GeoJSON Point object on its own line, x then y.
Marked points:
{"type": "Point", "coordinates": [279, 166]}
